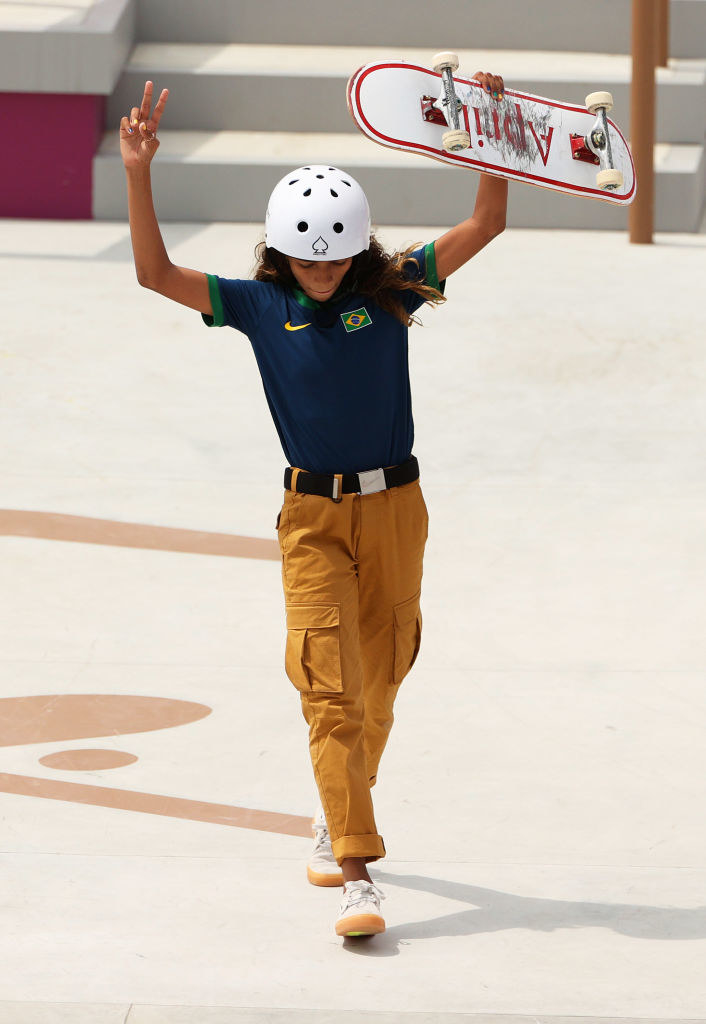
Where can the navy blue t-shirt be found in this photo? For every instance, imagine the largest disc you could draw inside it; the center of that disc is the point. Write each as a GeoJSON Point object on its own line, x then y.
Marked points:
{"type": "Point", "coordinates": [336, 374]}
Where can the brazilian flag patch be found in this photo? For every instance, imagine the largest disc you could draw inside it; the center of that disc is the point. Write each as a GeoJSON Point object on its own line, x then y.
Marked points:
{"type": "Point", "coordinates": [356, 319]}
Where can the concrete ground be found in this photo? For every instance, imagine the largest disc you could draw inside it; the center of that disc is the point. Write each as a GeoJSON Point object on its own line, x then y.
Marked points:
{"type": "Point", "coordinates": [542, 797]}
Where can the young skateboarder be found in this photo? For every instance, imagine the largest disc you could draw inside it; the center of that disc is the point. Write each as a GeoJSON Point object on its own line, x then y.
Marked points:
{"type": "Point", "coordinates": [327, 315]}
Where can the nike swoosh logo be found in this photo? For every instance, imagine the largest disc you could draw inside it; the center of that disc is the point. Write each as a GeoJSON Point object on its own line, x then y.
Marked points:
{"type": "Point", "coordinates": [299, 327]}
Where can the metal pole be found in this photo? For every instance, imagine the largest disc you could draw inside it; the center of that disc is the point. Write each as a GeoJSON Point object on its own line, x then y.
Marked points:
{"type": "Point", "coordinates": [642, 117]}
{"type": "Point", "coordinates": [663, 34]}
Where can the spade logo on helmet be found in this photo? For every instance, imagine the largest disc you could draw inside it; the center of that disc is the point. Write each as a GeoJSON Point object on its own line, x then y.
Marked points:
{"type": "Point", "coordinates": [320, 246]}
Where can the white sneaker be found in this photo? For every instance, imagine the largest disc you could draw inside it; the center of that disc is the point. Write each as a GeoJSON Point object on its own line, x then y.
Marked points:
{"type": "Point", "coordinates": [322, 868]}
{"type": "Point", "coordinates": [360, 910]}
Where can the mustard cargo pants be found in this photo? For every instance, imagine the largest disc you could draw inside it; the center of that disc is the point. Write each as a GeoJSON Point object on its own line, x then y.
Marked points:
{"type": "Point", "coordinates": [352, 574]}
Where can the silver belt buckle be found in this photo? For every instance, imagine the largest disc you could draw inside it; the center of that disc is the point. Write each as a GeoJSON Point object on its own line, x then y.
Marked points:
{"type": "Point", "coordinates": [372, 481]}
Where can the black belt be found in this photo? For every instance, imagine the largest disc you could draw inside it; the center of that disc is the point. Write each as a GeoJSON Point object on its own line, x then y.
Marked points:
{"type": "Point", "coordinates": [330, 485]}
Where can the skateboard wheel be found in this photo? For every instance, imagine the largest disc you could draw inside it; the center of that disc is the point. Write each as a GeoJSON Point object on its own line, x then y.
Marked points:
{"type": "Point", "coordinates": [455, 141]}
{"type": "Point", "coordinates": [445, 59]}
{"type": "Point", "coordinates": [609, 180]}
{"type": "Point", "coordinates": [596, 100]}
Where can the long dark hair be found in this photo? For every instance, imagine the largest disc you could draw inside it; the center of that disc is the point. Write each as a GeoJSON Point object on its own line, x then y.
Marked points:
{"type": "Point", "coordinates": [373, 272]}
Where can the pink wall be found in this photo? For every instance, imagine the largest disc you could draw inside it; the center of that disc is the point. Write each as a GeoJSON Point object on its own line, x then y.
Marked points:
{"type": "Point", "coordinates": [48, 149]}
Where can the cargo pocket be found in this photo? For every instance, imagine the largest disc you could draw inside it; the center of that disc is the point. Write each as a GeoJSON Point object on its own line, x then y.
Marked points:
{"type": "Point", "coordinates": [408, 636]}
{"type": "Point", "coordinates": [313, 656]}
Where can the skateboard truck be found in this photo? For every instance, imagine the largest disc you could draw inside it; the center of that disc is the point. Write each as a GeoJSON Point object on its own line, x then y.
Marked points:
{"type": "Point", "coordinates": [457, 139]}
{"type": "Point", "coordinates": [580, 151]}
{"type": "Point", "coordinates": [430, 112]}
{"type": "Point", "coordinates": [597, 142]}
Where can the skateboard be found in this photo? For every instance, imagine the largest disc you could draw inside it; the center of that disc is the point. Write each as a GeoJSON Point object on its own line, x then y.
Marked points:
{"type": "Point", "coordinates": [439, 114]}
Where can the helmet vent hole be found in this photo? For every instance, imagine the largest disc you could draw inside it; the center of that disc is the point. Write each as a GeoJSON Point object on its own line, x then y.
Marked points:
{"type": "Point", "coordinates": [306, 168]}
{"type": "Point", "coordinates": [294, 181]}
{"type": "Point", "coordinates": [346, 183]}
{"type": "Point", "coordinates": [320, 176]}
{"type": "Point", "coordinates": [338, 227]}
{"type": "Point", "coordinates": [308, 192]}
{"type": "Point", "coordinates": [334, 194]}
{"type": "Point", "coordinates": [302, 226]}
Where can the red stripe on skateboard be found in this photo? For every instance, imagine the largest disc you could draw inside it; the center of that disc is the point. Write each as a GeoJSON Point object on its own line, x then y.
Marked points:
{"type": "Point", "coordinates": [354, 86]}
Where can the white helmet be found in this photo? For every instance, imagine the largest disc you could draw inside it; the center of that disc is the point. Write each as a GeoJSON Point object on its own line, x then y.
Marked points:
{"type": "Point", "coordinates": [318, 213]}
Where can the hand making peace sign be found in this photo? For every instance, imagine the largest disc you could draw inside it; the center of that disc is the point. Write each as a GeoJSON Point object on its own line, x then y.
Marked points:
{"type": "Point", "coordinates": [138, 133]}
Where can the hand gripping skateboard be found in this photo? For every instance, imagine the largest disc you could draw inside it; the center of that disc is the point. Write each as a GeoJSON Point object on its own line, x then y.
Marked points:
{"type": "Point", "coordinates": [522, 137]}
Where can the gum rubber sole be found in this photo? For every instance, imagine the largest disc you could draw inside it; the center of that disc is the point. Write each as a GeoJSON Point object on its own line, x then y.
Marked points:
{"type": "Point", "coordinates": [320, 878]}
{"type": "Point", "coordinates": [359, 925]}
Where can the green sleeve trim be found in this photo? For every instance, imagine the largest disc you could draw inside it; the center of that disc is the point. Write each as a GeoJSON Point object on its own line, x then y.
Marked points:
{"type": "Point", "coordinates": [214, 292]}
{"type": "Point", "coordinates": [432, 277]}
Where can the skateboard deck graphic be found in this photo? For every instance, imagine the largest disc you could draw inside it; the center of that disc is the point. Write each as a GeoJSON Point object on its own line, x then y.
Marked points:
{"type": "Point", "coordinates": [521, 137]}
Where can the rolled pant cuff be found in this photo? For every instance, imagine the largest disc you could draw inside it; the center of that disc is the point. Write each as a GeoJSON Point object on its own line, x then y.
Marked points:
{"type": "Point", "coordinates": [370, 847]}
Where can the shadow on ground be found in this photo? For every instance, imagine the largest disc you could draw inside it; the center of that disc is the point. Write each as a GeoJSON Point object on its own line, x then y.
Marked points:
{"type": "Point", "coordinates": [493, 911]}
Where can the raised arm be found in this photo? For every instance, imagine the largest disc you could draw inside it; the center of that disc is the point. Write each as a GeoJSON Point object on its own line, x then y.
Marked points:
{"type": "Point", "coordinates": [138, 145]}
{"type": "Point", "coordinates": [462, 242]}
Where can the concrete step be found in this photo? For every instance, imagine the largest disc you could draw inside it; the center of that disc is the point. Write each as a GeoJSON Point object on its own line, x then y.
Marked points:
{"type": "Point", "coordinates": [598, 26]}
{"type": "Point", "coordinates": [75, 48]}
{"type": "Point", "coordinates": [302, 88]}
{"type": "Point", "coordinates": [227, 176]}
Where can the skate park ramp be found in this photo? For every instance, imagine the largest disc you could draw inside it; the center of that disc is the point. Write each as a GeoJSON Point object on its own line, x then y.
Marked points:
{"type": "Point", "coordinates": [539, 796]}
